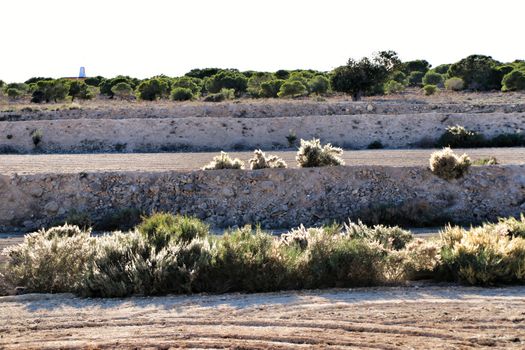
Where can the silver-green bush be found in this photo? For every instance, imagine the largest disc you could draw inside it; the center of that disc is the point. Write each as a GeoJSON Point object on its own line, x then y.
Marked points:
{"type": "Point", "coordinates": [261, 161]}
{"type": "Point", "coordinates": [224, 161]}
{"type": "Point", "coordinates": [313, 154]}
{"type": "Point", "coordinates": [447, 165]}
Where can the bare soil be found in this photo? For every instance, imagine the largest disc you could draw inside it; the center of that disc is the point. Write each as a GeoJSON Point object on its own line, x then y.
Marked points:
{"type": "Point", "coordinates": [424, 317]}
{"type": "Point", "coordinates": [151, 162]}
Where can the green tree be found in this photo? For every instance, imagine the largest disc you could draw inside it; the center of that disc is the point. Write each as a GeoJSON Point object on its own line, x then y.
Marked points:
{"type": "Point", "coordinates": [152, 89]}
{"type": "Point", "coordinates": [255, 81]}
{"type": "Point", "coordinates": [292, 88]}
{"type": "Point", "coordinates": [415, 78]}
{"type": "Point", "coordinates": [360, 78]}
{"type": "Point", "coordinates": [194, 84]}
{"type": "Point", "coordinates": [416, 66]}
{"type": "Point", "coordinates": [478, 72]}
{"type": "Point", "coordinates": [271, 88]}
{"type": "Point", "coordinates": [282, 74]}
{"type": "Point", "coordinates": [319, 84]}
{"type": "Point", "coordinates": [433, 78]}
{"type": "Point", "coordinates": [80, 89]}
{"type": "Point", "coordinates": [94, 81]}
{"type": "Point", "coordinates": [181, 94]}
{"type": "Point", "coordinates": [107, 84]}
{"type": "Point", "coordinates": [50, 90]}
{"type": "Point", "coordinates": [514, 81]}
{"type": "Point", "coordinates": [122, 90]}
{"type": "Point", "coordinates": [202, 73]}
{"type": "Point", "coordinates": [227, 79]}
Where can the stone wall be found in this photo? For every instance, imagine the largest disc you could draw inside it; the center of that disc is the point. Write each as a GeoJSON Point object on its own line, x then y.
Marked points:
{"type": "Point", "coordinates": [211, 133]}
{"type": "Point", "coordinates": [277, 198]}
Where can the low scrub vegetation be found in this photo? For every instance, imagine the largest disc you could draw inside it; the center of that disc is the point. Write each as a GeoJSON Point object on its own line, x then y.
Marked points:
{"type": "Point", "coordinates": [313, 154]}
{"type": "Point", "coordinates": [177, 254]}
{"type": "Point", "coordinates": [459, 137]}
{"type": "Point", "coordinates": [448, 165]}
{"type": "Point", "coordinates": [224, 161]}
{"type": "Point", "coordinates": [262, 161]}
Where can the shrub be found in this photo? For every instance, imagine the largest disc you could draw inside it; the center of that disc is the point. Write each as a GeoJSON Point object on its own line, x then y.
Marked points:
{"type": "Point", "coordinates": [14, 94]}
{"type": "Point", "coordinates": [223, 95]}
{"type": "Point", "coordinates": [79, 218]}
{"type": "Point", "coordinates": [313, 154]}
{"type": "Point", "coordinates": [319, 84]}
{"type": "Point", "coordinates": [393, 87]}
{"type": "Point", "coordinates": [399, 76]}
{"type": "Point", "coordinates": [194, 84]}
{"type": "Point", "coordinates": [181, 94]}
{"type": "Point", "coordinates": [162, 228]}
{"type": "Point", "coordinates": [79, 89]}
{"type": "Point", "coordinates": [152, 89]}
{"type": "Point", "coordinates": [478, 72]}
{"type": "Point", "coordinates": [227, 79]}
{"type": "Point", "coordinates": [485, 161]}
{"type": "Point", "coordinates": [432, 78]}
{"type": "Point", "coordinates": [430, 89]}
{"type": "Point", "coordinates": [49, 90]}
{"type": "Point", "coordinates": [51, 261]}
{"type": "Point", "coordinates": [255, 82]}
{"type": "Point", "coordinates": [484, 256]}
{"type": "Point", "coordinates": [508, 140]}
{"type": "Point", "coordinates": [447, 165]}
{"type": "Point", "coordinates": [375, 145]}
{"type": "Point", "coordinates": [415, 78]}
{"type": "Point", "coordinates": [121, 219]}
{"type": "Point", "coordinates": [36, 137]}
{"type": "Point", "coordinates": [454, 84]}
{"type": "Point", "coordinates": [459, 137]}
{"type": "Point", "coordinates": [292, 88]}
{"type": "Point", "coordinates": [223, 161]}
{"type": "Point", "coordinates": [261, 161]}
{"type": "Point", "coordinates": [291, 138]}
{"type": "Point", "coordinates": [514, 81]}
{"type": "Point", "coordinates": [442, 68]}
{"type": "Point", "coordinates": [389, 237]}
{"type": "Point", "coordinates": [122, 90]}
{"type": "Point", "coordinates": [340, 261]}
{"type": "Point", "coordinates": [246, 261]}
{"type": "Point", "coordinates": [271, 88]}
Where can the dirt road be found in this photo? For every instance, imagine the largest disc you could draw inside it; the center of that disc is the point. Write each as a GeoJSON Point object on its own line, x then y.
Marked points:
{"type": "Point", "coordinates": [428, 317]}
{"type": "Point", "coordinates": [74, 163]}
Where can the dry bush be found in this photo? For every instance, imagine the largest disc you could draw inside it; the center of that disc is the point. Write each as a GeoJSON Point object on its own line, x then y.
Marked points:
{"type": "Point", "coordinates": [454, 84]}
{"type": "Point", "coordinates": [224, 161]}
{"type": "Point", "coordinates": [313, 154]}
{"type": "Point", "coordinates": [447, 165]}
{"type": "Point", "coordinates": [50, 261]}
{"type": "Point", "coordinates": [484, 255]}
{"type": "Point", "coordinates": [389, 237]}
{"type": "Point", "coordinates": [261, 161]}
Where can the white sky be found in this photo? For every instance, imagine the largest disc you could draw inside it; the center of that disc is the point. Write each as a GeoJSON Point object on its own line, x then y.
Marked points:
{"type": "Point", "coordinates": [144, 38]}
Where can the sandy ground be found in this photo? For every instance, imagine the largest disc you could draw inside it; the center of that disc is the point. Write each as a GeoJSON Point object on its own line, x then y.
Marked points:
{"type": "Point", "coordinates": [424, 317]}
{"type": "Point", "coordinates": [74, 163]}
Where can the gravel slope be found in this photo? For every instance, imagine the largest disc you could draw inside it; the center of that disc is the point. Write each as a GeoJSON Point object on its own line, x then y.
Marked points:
{"type": "Point", "coordinates": [74, 163]}
{"type": "Point", "coordinates": [425, 317]}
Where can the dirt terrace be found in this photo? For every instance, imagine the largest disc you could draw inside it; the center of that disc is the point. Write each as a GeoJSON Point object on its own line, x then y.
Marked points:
{"type": "Point", "coordinates": [75, 163]}
{"type": "Point", "coordinates": [425, 317]}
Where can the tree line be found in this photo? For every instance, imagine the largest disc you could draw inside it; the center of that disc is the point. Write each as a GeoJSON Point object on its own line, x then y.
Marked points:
{"type": "Point", "coordinates": [382, 73]}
